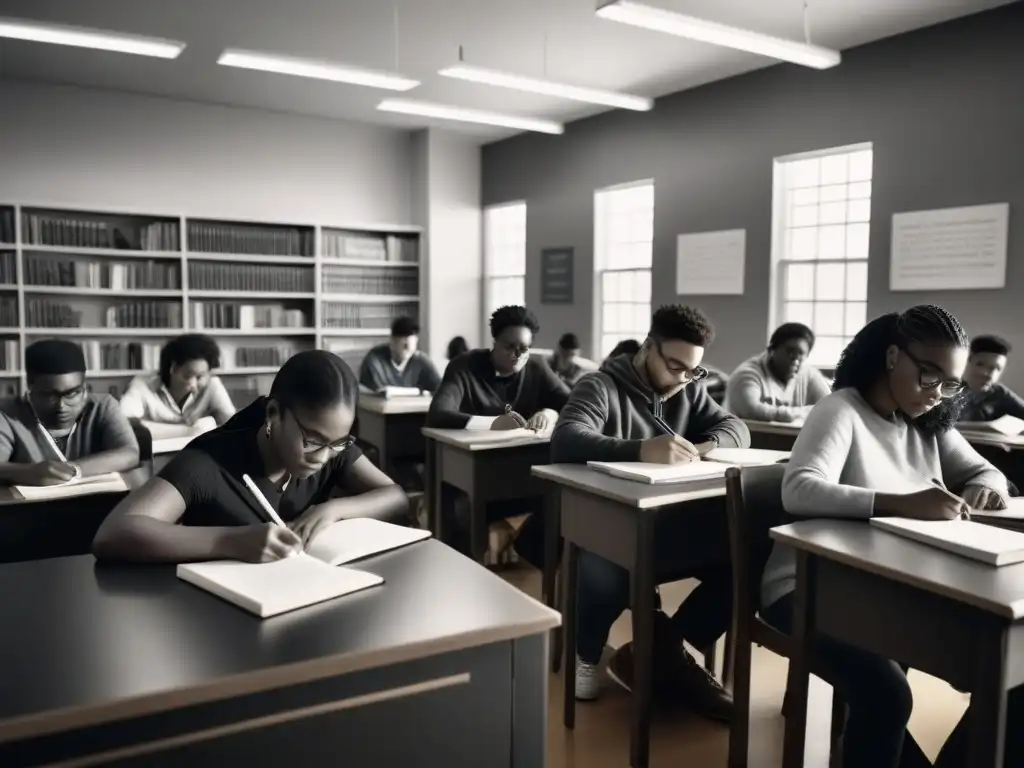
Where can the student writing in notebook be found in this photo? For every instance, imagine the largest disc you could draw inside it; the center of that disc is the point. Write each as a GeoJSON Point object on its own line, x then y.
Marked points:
{"type": "Point", "coordinates": [58, 430]}
{"type": "Point", "coordinates": [653, 407]}
{"type": "Point", "coordinates": [880, 444]}
{"type": "Point", "coordinates": [293, 446]}
{"type": "Point", "coordinates": [987, 399]}
{"type": "Point", "coordinates": [184, 390]}
{"type": "Point", "coordinates": [778, 384]}
{"type": "Point", "coordinates": [399, 363]}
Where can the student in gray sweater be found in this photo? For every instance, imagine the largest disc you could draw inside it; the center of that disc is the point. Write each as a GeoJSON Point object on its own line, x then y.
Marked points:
{"type": "Point", "coordinates": [779, 384]}
{"type": "Point", "coordinates": [652, 406]}
{"type": "Point", "coordinates": [399, 363]}
{"type": "Point", "coordinates": [987, 399]}
{"type": "Point", "coordinates": [875, 447]}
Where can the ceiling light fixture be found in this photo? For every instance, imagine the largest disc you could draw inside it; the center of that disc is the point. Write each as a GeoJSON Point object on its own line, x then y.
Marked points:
{"type": "Point", "coordinates": [547, 87]}
{"type": "Point", "coordinates": [460, 114]}
{"type": "Point", "coordinates": [661, 20]}
{"type": "Point", "coordinates": [82, 37]}
{"type": "Point", "coordinates": [320, 70]}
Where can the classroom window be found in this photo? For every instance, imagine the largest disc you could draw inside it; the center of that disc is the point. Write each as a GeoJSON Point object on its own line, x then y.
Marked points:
{"type": "Point", "coordinates": [624, 244]}
{"type": "Point", "coordinates": [822, 222]}
{"type": "Point", "coordinates": [504, 257]}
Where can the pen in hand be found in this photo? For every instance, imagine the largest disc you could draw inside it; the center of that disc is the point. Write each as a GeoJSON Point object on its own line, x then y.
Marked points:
{"type": "Point", "coordinates": [965, 513]}
{"type": "Point", "coordinates": [515, 416]}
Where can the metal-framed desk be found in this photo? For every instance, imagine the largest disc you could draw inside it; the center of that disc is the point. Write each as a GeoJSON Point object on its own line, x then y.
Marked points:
{"type": "Point", "coordinates": [393, 427]}
{"type": "Point", "coordinates": [483, 467]}
{"type": "Point", "coordinates": [127, 666]}
{"type": "Point", "coordinates": [937, 612]}
{"type": "Point", "coordinates": [615, 519]}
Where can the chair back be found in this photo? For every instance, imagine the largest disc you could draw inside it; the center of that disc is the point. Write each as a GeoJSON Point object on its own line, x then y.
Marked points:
{"type": "Point", "coordinates": [145, 440]}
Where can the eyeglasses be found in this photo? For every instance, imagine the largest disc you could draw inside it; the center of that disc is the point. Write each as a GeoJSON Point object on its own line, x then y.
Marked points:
{"type": "Point", "coordinates": [311, 446]}
{"type": "Point", "coordinates": [929, 377]}
{"type": "Point", "coordinates": [677, 368]}
{"type": "Point", "coordinates": [54, 399]}
{"type": "Point", "coordinates": [517, 350]}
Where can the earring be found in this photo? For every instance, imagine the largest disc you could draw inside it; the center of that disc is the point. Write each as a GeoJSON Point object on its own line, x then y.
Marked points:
{"type": "Point", "coordinates": [268, 429]}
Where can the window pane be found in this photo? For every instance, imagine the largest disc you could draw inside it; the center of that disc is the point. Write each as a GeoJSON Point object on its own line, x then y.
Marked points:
{"type": "Point", "coordinates": [856, 317]}
{"type": "Point", "coordinates": [835, 169]}
{"type": "Point", "coordinates": [857, 281]}
{"type": "Point", "coordinates": [800, 282]}
{"type": "Point", "coordinates": [857, 241]}
{"type": "Point", "coordinates": [625, 317]}
{"type": "Point", "coordinates": [643, 288]}
{"type": "Point", "coordinates": [641, 227]}
{"type": "Point", "coordinates": [799, 312]}
{"type": "Point", "coordinates": [608, 283]}
{"type": "Point", "coordinates": [833, 192]}
{"type": "Point", "coordinates": [641, 319]}
{"type": "Point", "coordinates": [833, 213]}
{"type": "Point", "coordinates": [860, 165]}
{"type": "Point", "coordinates": [807, 196]}
{"type": "Point", "coordinates": [860, 190]}
{"type": "Point", "coordinates": [829, 282]}
{"type": "Point", "coordinates": [829, 319]}
{"type": "Point", "coordinates": [608, 317]}
{"type": "Point", "coordinates": [827, 350]}
{"type": "Point", "coordinates": [860, 210]}
{"type": "Point", "coordinates": [831, 242]}
{"type": "Point", "coordinates": [624, 282]}
{"type": "Point", "coordinates": [805, 216]}
{"type": "Point", "coordinates": [801, 244]}
{"type": "Point", "coordinates": [802, 173]}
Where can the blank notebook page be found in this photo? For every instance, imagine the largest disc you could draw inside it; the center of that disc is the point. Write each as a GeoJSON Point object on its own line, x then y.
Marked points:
{"type": "Point", "coordinates": [360, 537]}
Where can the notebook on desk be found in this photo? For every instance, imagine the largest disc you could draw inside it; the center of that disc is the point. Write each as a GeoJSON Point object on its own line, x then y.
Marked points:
{"type": "Point", "coordinates": [110, 482]}
{"type": "Point", "coordinates": [159, 431]}
{"type": "Point", "coordinates": [504, 435]}
{"type": "Point", "coordinates": [1011, 518]}
{"type": "Point", "coordinates": [660, 474]}
{"type": "Point", "coordinates": [746, 457]}
{"type": "Point", "coordinates": [349, 540]}
{"type": "Point", "coordinates": [967, 538]}
{"type": "Point", "coordinates": [1010, 426]}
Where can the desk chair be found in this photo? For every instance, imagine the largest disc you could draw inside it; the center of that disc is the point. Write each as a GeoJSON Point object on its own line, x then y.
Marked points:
{"type": "Point", "coordinates": [754, 504]}
{"type": "Point", "coordinates": [145, 440]}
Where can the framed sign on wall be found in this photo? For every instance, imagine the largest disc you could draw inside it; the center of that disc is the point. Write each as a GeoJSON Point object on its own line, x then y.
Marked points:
{"type": "Point", "coordinates": [556, 276]}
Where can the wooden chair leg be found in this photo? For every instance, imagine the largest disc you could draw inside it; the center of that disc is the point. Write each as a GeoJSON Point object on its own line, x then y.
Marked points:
{"type": "Point", "coordinates": [558, 633]}
{"type": "Point", "coordinates": [571, 574]}
{"type": "Point", "coordinates": [739, 728]}
{"type": "Point", "coordinates": [835, 758]}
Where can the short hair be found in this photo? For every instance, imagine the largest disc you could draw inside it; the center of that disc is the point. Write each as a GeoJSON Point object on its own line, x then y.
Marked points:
{"type": "Point", "coordinates": [403, 327]}
{"type": "Point", "coordinates": [675, 322]}
{"type": "Point", "coordinates": [315, 379]}
{"type": "Point", "coordinates": [53, 357]}
{"type": "Point", "coordinates": [863, 360]}
{"type": "Point", "coordinates": [569, 341]}
{"type": "Point", "coordinates": [513, 316]}
{"type": "Point", "coordinates": [997, 345]}
{"type": "Point", "coordinates": [457, 346]}
{"type": "Point", "coordinates": [789, 331]}
{"type": "Point", "coordinates": [182, 349]}
{"type": "Point", "coordinates": [625, 347]}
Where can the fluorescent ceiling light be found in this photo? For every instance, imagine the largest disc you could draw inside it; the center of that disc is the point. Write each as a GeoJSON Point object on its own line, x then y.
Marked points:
{"type": "Point", "coordinates": [21, 29]}
{"type": "Point", "coordinates": [547, 87]}
{"type": "Point", "coordinates": [320, 70]}
{"type": "Point", "coordinates": [640, 15]}
{"type": "Point", "coordinates": [445, 112]}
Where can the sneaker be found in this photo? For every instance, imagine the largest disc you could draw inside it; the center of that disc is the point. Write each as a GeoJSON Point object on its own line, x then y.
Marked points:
{"type": "Point", "coordinates": [588, 680]}
{"type": "Point", "coordinates": [698, 689]}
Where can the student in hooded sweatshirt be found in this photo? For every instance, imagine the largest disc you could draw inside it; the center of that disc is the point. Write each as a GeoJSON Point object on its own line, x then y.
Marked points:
{"type": "Point", "coordinates": [778, 384]}
{"type": "Point", "coordinates": [399, 363]}
{"type": "Point", "coordinates": [624, 413]}
{"type": "Point", "coordinates": [868, 450]}
{"type": "Point", "coordinates": [987, 399]}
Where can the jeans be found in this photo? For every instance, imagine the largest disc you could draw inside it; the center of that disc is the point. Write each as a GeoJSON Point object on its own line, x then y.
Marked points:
{"type": "Point", "coordinates": [690, 543]}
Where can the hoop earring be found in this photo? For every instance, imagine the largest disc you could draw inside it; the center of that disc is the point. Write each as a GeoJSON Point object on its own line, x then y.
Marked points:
{"type": "Point", "coordinates": [268, 430]}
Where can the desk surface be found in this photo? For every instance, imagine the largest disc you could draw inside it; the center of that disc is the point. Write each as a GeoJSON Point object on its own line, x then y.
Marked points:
{"type": "Point", "coordinates": [86, 644]}
{"type": "Point", "coordinates": [774, 427]}
{"type": "Point", "coordinates": [133, 479]}
{"type": "Point", "coordinates": [385, 406]}
{"type": "Point", "coordinates": [481, 439]}
{"type": "Point", "coordinates": [996, 590]}
{"type": "Point", "coordinates": [989, 437]}
{"type": "Point", "coordinates": [639, 495]}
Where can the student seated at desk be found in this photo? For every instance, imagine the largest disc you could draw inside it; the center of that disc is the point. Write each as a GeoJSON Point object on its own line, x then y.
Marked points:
{"type": "Point", "coordinates": [653, 407]}
{"type": "Point", "coordinates": [60, 431]}
{"type": "Point", "coordinates": [625, 347]}
{"type": "Point", "coordinates": [987, 399]}
{"type": "Point", "coordinates": [878, 446]}
{"type": "Point", "coordinates": [295, 447]}
{"type": "Point", "coordinates": [183, 390]}
{"type": "Point", "coordinates": [563, 360]}
{"type": "Point", "coordinates": [778, 384]}
{"type": "Point", "coordinates": [398, 363]}
{"type": "Point", "coordinates": [457, 346]}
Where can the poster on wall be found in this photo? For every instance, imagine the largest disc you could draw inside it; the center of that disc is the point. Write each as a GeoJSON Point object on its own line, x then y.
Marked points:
{"type": "Point", "coordinates": [556, 276]}
{"type": "Point", "coordinates": [711, 263]}
{"type": "Point", "coordinates": [951, 249]}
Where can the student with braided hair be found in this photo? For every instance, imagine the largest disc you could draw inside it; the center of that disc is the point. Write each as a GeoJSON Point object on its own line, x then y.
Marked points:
{"type": "Point", "coordinates": [869, 449]}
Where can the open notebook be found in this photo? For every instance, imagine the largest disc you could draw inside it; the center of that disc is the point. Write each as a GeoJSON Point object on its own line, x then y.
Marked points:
{"type": "Point", "coordinates": [1011, 518]}
{"type": "Point", "coordinates": [1010, 426]}
{"type": "Point", "coordinates": [160, 431]}
{"type": "Point", "coordinates": [661, 474]}
{"type": "Point", "coordinates": [746, 457]}
{"type": "Point", "coordinates": [267, 589]}
{"type": "Point", "coordinates": [984, 543]}
{"type": "Point", "coordinates": [505, 435]}
{"type": "Point", "coordinates": [111, 482]}
{"type": "Point", "coordinates": [390, 392]}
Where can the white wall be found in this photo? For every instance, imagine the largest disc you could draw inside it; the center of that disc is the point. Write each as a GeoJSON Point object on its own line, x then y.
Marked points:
{"type": "Point", "coordinates": [77, 147]}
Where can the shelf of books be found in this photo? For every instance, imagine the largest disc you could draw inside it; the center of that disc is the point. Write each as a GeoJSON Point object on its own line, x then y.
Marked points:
{"type": "Point", "coordinates": [122, 283]}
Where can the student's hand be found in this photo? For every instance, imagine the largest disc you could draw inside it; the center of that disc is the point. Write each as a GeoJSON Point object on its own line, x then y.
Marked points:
{"type": "Point", "coordinates": [668, 449]}
{"type": "Point", "coordinates": [263, 543]}
{"type": "Point", "coordinates": [705, 448]}
{"type": "Point", "coordinates": [48, 473]}
{"type": "Point", "coordinates": [508, 421]}
{"type": "Point", "coordinates": [311, 522]}
{"type": "Point", "coordinates": [980, 497]}
{"type": "Point", "coordinates": [542, 421]}
{"type": "Point", "coordinates": [932, 504]}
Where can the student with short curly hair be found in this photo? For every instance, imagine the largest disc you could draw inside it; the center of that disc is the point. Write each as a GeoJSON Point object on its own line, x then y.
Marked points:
{"type": "Point", "coordinates": [987, 399]}
{"type": "Point", "coordinates": [399, 363]}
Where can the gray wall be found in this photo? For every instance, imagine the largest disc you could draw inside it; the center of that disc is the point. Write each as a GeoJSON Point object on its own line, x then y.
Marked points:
{"type": "Point", "coordinates": [943, 106]}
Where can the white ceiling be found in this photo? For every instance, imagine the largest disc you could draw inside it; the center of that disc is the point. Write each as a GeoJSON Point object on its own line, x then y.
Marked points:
{"type": "Point", "coordinates": [504, 34]}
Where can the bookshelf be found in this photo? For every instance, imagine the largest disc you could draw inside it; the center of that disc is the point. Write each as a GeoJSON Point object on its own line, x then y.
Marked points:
{"type": "Point", "coordinates": [121, 283]}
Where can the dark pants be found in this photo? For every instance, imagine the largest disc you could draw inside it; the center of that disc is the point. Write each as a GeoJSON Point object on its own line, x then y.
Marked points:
{"type": "Point", "coordinates": [456, 511]}
{"type": "Point", "coordinates": [690, 543]}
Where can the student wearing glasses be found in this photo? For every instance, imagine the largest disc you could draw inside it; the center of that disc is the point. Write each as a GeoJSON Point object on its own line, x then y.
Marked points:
{"type": "Point", "coordinates": [59, 430]}
{"type": "Point", "coordinates": [293, 445]}
{"type": "Point", "coordinates": [653, 407]}
{"type": "Point", "coordinates": [879, 445]}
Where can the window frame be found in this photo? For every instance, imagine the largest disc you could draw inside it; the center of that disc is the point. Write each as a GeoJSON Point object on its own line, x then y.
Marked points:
{"type": "Point", "coordinates": [488, 276]}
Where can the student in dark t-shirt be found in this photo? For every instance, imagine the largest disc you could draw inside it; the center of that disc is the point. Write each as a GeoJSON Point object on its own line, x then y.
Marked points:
{"type": "Point", "coordinates": [294, 445]}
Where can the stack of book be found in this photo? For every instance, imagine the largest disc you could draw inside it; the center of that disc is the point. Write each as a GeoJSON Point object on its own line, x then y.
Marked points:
{"type": "Point", "coordinates": [370, 280]}
{"type": "Point", "coordinates": [44, 269]}
{"type": "Point", "coordinates": [228, 314]}
{"type": "Point", "coordinates": [339, 315]}
{"type": "Point", "coordinates": [212, 237]}
{"type": "Point", "coordinates": [226, 276]}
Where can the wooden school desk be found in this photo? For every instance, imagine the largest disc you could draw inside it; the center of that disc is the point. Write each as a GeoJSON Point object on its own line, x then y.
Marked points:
{"type": "Point", "coordinates": [484, 471]}
{"type": "Point", "coordinates": [128, 666]}
{"type": "Point", "coordinates": [772, 435]}
{"type": "Point", "coordinates": [615, 519]}
{"type": "Point", "coordinates": [1006, 453]}
{"type": "Point", "coordinates": [937, 612]}
{"type": "Point", "coordinates": [392, 427]}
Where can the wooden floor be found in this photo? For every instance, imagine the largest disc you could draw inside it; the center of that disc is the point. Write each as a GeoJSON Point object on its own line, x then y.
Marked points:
{"type": "Point", "coordinates": [601, 736]}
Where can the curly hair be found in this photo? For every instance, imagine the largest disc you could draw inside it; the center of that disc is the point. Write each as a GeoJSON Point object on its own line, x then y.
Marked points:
{"type": "Point", "coordinates": [678, 323]}
{"type": "Point", "coordinates": [863, 361]}
{"type": "Point", "coordinates": [183, 349]}
{"type": "Point", "coordinates": [997, 345]}
{"type": "Point", "coordinates": [513, 316]}
{"type": "Point", "coordinates": [788, 331]}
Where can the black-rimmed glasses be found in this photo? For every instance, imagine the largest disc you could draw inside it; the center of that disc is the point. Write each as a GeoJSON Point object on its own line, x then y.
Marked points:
{"type": "Point", "coordinates": [676, 368]}
{"type": "Point", "coordinates": [930, 377]}
{"type": "Point", "coordinates": [311, 446]}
